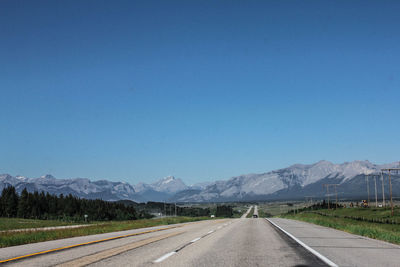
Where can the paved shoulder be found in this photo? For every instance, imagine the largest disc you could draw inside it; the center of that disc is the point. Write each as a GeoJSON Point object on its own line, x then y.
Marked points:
{"type": "Point", "coordinates": [342, 248]}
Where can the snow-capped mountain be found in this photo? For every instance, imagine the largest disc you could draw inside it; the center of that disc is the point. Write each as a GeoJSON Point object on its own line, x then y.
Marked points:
{"type": "Point", "coordinates": [161, 190]}
{"type": "Point", "coordinates": [296, 181]}
{"type": "Point", "coordinates": [81, 187]}
{"type": "Point", "coordinates": [169, 184]}
{"type": "Point", "coordinates": [200, 186]}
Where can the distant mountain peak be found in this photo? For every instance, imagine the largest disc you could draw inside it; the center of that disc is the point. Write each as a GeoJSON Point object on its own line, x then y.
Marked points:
{"type": "Point", "coordinates": [169, 184]}
{"type": "Point", "coordinates": [323, 162]}
{"type": "Point", "coordinates": [168, 179]}
{"type": "Point", "coordinates": [286, 182]}
{"type": "Point", "coordinates": [48, 176]}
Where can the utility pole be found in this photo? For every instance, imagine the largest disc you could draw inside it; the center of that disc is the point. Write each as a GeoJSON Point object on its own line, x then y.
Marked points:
{"type": "Point", "coordinates": [366, 179]}
{"type": "Point", "coordinates": [390, 185]}
{"type": "Point", "coordinates": [383, 190]}
{"type": "Point", "coordinates": [327, 189]}
{"type": "Point", "coordinates": [336, 194]}
{"type": "Point", "coordinates": [376, 194]}
{"type": "Point", "coordinates": [390, 190]}
{"type": "Point", "coordinates": [327, 192]}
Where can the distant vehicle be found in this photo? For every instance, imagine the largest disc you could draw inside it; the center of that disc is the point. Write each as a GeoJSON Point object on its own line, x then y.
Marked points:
{"type": "Point", "coordinates": [364, 204]}
{"type": "Point", "coordinates": [212, 216]}
{"type": "Point", "coordinates": [255, 216]}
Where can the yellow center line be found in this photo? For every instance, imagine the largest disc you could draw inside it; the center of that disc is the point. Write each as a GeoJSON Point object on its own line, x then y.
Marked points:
{"type": "Point", "coordinates": [87, 243]}
{"type": "Point", "coordinates": [86, 260]}
{"type": "Point", "coordinates": [103, 240]}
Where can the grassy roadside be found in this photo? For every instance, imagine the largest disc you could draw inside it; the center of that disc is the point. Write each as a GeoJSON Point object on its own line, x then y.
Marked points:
{"type": "Point", "coordinates": [239, 210]}
{"type": "Point", "coordinates": [18, 223]}
{"type": "Point", "coordinates": [20, 238]}
{"type": "Point", "coordinates": [385, 232]}
{"type": "Point", "coordinates": [250, 213]}
{"type": "Point", "coordinates": [263, 213]}
{"type": "Point", "coordinates": [378, 215]}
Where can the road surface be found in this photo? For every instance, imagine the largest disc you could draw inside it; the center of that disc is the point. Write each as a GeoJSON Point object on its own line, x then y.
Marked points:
{"type": "Point", "coordinates": [233, 242]}
{"type": "Point", "coordinates": [343, 248]}
{"type": "Point", "coordinates": [228, 242]}
{"type": "Point", "coordinates": [255, 210]}
{"type": "Point", "coordinates": [247, 212]}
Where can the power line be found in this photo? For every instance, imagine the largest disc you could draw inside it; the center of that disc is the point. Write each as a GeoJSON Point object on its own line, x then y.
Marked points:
{"type": "Point", "coordinates": [389, 170]}
{"type": "Point", "coordinates": [327, 189]}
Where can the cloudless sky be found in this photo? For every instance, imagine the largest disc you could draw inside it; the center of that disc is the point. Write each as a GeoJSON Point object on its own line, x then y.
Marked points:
{"type": "Point", "coordinates": [202, 90]}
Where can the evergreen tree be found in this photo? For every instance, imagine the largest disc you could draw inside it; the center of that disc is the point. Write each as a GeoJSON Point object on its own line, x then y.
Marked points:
{"type": "Point", "coordinates": [224, 211]}
{"type": "Point", "coordinates": [9, 202]}
{"type": "Point", "coordinates": [23, 208]}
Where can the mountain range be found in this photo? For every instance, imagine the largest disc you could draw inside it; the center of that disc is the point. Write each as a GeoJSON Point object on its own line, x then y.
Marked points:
{"type": "Point", "coordinates": [295, 182]}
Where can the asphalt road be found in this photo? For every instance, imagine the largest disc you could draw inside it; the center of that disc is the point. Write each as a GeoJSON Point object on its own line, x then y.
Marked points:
{"type": "Point", "coordinates": [343, 248]}
{"type": "Point", "coordinates": [230, 242]}
{"type": "Point", "coordinates": [235, 242]}
{"type": "Point", "coordinates": [255, 210]}
{"type": "Point", "coordinates": [247, 212]}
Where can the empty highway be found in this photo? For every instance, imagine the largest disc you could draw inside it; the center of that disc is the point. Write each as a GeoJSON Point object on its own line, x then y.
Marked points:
{"type": "Point", "coordinates": [233, 242]}
{"type": "Point", "coordinates": [229, 242]}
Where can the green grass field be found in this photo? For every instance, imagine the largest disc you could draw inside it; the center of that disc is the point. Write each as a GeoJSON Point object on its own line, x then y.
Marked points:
{"type": "Point", "coordinates": [19, 238]}
{"type": "Point", "coordinates": [349, 220]}
{"type": "Point", "coordinates": [17, 223]}
{"type": "Point", "coordinates": [381, 215]}
{"type": "Point", "coordinates": [240, 209]}
{"type": "Point", "coordinates": [268, 209]}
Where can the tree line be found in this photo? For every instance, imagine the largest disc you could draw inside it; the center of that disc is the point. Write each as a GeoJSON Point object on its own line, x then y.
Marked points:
{"type": "Point", "coordinates": [169, 209]}
{"type": "Point", "coordinates": [69, 208]}
{"type": "Point", "coordinates": [224, 211]}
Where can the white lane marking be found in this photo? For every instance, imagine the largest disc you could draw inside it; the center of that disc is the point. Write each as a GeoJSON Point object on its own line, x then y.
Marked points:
{"type": "Point", "coordinates": [164, 257]}
{"type": "Point", "coordinates": [173, 252]}
{"type": "Point", "coordinates": [194, 240]}
{"type": "Point", "coordinates": [320, 256]}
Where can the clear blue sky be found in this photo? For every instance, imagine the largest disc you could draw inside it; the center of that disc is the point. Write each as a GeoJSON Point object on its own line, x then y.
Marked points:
{"type": "Point", "coordinates": [203, 90]}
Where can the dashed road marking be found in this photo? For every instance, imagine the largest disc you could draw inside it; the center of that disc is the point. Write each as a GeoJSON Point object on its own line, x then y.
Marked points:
{"type": "Point", "coordinates": [164, 257]}
{"type": "Point", "coordinates": [87, 243]}
{"type": "Point", "coordinates": [187, 244]}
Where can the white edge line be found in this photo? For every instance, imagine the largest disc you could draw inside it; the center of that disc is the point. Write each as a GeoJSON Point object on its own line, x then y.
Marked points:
{"type": "Point", "coordinates": [320, 256]}
{"type": "Point", "coordinates": [212, 231]}
{"type": "Point", "coordinates": [164, 257]}
{"type": "Point", "coordinates": [194, 240]}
